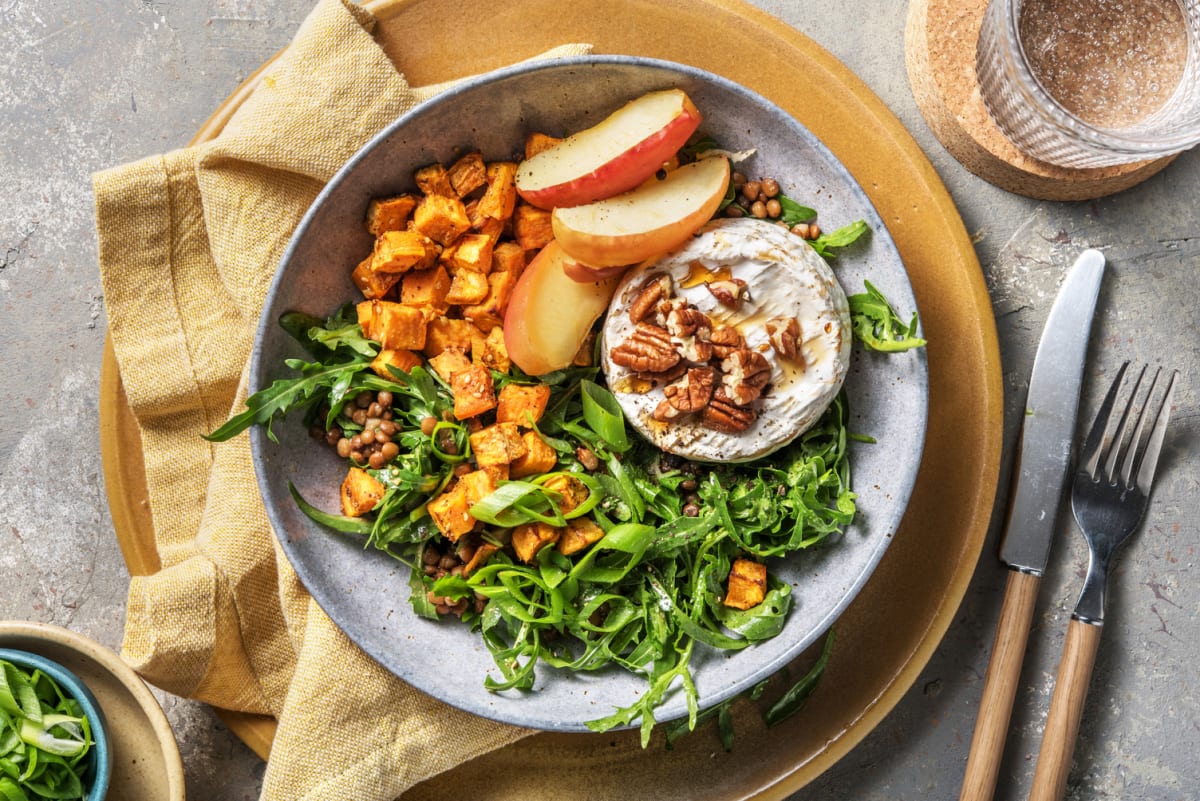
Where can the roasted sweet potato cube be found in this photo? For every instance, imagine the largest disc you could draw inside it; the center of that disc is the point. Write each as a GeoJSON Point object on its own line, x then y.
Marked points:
{"type": "Point", "coordinates": [539, 457]}
{"type": "Point", "coordinates": [468, 288]}
{"type": "Point", "coordinates": [434, 180]}
{"type": "Point", "coordinates": [498, 472]}
{"type": "Point", "coordinates": [572, 490]}
{"type": "Point", "coordinates": [468, 174]}
{"type": "Point", "coordinates": [486, 226]}
{"type": "Point", "coordinates": [478, 485]}
{"type": "Point", "coordinates": [508, 257]}
{"type": "Point", "coordinates": [537, 142]}
{"type": "Point", "coordinates": [401, 251]}
{"type": "Point", "coordinates": [396, 326]}
{"type": "Point", "coordinates": [365, 316]}
{"type": "Point", "coordinates": [403, 360]}
{"type": "Point", "coordinates": [531, 226]}
{"type": "Point", "coordinates": [529, 538]}
{"type": "Point", "coordinates": [473, 392]}
{"type": "Point", "coordinates": [449, 362]}
{"type": "Point", "coordinates": [497, 444]}
{"type": "Point", "coordinates": [500, 197]}
{"type": "Point", "coordinates": [426, 288]}
{"type": "Point", "coordinates": [360, 492]}
{"type": "Point", "coordinates": [581, 532]}
{"type": "Point", "coordinates": [390, 214]}
{"type": "Point", "coordinates": [443, 219]}
{"type": "Point", "coordinates": [522, 404]}
{"type": "Point", "coordinates": [472, 252]}
{"type": "Point", "coordinates": [443, 332]}
{"type": "Point", "coordinates": [479, 558]}
{"type": "Point", "coordinates": [491, 352]}
{"type": "Point", "coordinates": [449, 512]}
{"type": "Point", "coordinates": [488, 313]}
{"type": "Point", "coordinates": [373, 285]}
{"type": "Point", "coordinates": [747, 584]}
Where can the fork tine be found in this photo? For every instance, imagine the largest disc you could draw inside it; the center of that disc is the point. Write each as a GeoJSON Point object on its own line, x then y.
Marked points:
{"type": "Point", "coordinates": [1119, 443]}
{"type": "Point", "coordinates": [1149, 459]}
{"type": "Point", "coordinates": [1101, 432]}
{"type": "Point", "coordinates": [1133, 450]}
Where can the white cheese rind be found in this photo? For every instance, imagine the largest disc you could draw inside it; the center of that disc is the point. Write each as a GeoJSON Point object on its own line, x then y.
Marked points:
{"type": "Point", "coordinates": [785, 278]}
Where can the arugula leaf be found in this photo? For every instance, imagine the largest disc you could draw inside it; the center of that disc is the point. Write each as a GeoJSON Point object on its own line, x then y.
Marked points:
{"type": "Point", "coordinates": [316, 382]}
{"type": "Point", "coordinates": [798, 694]}
{"type": "Point", "coordinates": [877, 325]}
{"type": "Point", "coordinates": [793, 212]}
{"type": "Point", "coordinates": [825, 244]}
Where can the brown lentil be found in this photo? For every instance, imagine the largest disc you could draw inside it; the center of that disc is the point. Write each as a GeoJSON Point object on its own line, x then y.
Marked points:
{"type": "Point", "coordinates": [750, 190]}
{"type": "Point", "coordinates": [691, 510]}
{"type": "Point", "coordinates": [774, 208]}
{"type": "Point", "coordinates": [758, 209]}
{"type": "Point", "coordinates": [770, 187]}
{"type": "Point", "coordinates": [428, 424]}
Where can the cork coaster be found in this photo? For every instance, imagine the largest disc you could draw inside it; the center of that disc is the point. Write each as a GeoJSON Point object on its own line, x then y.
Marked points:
{"type": "Point", "coordinates": [939, 47]}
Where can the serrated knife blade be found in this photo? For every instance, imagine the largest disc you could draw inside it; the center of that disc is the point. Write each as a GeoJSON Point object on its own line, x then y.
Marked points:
{"type": "Point", "coordinates": [1039, 475]}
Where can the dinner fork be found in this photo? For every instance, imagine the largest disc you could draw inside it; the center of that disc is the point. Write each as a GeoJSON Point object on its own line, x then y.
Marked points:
{"type": "Point", "coordinates": [1109, 498]}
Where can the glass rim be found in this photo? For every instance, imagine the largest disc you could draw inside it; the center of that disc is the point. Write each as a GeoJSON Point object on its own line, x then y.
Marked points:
{"type": "Point", "coordinates": [1048, 109]}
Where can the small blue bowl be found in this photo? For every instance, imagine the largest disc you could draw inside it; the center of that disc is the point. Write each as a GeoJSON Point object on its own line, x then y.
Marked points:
{"type": "Point", "coordinates": [99, 759]}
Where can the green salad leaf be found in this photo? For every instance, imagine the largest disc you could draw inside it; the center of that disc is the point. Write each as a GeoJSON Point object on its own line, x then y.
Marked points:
{"type": "Point", "coordinates": [877, 325]}
{"type": "Point", "coordinates": [44, 738]}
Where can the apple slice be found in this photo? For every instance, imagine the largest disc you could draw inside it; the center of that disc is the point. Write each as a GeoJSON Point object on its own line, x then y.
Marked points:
{"type": "Point", "coordinates": [586, 273]}
{"type": "Point", "coordinates": [549, 315]}
{"type": "Point", "coordinates": [649, 221]}
{"type": "Point", "coordinates": [613, 156]}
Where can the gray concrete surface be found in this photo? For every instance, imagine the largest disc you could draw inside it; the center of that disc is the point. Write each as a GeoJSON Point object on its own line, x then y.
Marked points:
{"type": "Point", "coordinates": [86, 85]}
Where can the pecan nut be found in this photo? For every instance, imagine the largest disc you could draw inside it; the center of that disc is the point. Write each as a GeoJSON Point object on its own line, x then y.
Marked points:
{"type": "Point", "coordinates": [688, 321]}
{"type": "Point", "coordinates": [746, 373]}
{"type": "Point", "coordinates": [729, 292]}
{"type": "Point", "coordinates": [723, 415]}
{"type": "Point", "coordinates": [647, 350]}
{"type": "Point", "coordinates": [656, 288]}
{"type": "Point", "coordinates": [692, 392]}
{"type": "Point", "coordinates": [664, 412]}
{"type": "Point", "coordinates": [784, 335]}
{"type": "Point", "coordinates": [725, 339]}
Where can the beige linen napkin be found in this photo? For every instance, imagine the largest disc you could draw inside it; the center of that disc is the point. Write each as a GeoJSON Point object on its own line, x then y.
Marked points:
{"type": "Point", "coordinates": [188, 244]}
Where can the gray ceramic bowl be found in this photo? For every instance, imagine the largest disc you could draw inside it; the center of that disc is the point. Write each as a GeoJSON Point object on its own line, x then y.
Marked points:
{"type": "Point", "coordinates": [366, 593]}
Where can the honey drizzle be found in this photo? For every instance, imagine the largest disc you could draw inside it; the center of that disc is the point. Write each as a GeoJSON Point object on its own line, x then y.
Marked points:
{"type": "Point", "coordinates": [699, 273]}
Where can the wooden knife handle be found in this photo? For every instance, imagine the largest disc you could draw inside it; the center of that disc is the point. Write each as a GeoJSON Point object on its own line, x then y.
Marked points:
{"type": "Point", "coordinates": [1000, 687]}
{"type": "Point", "coordinates": [1066, 711]}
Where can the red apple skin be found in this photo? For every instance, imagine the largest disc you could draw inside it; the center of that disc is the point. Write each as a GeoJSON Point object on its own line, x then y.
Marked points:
{"type": "Point", "coordinates": [649, 221]}
{"type": "Point", "coordinates": [586, 173]}
{"type": "Point", "coordinates": [587, 274]}
{"type": "Point", "coordinates": [549, 315]}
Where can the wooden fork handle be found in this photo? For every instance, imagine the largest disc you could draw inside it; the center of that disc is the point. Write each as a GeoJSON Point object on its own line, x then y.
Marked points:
{"type": "Point", "coordinates": [1066, 711]}
{"type": "Point", "coordinates": [1000, 687]}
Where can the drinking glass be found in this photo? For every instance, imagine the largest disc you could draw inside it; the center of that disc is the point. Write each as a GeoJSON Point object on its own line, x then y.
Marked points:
{"type": "Point", "coordinates": [1093, 83]}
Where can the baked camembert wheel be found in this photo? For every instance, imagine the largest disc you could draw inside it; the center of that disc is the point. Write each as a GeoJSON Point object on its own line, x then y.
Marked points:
{"type": "Point", "coordinates": [731, 346]}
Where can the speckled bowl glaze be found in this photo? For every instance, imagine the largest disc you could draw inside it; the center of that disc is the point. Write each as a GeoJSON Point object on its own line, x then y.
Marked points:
{"type": "Point", "coordinates": [98, 761]}
{"type": "Point", "coordinates": [366, 593]}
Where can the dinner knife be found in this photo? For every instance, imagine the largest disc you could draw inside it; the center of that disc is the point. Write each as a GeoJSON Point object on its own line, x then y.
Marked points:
{"type": "Point", "coordinates": [1039, 477]}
